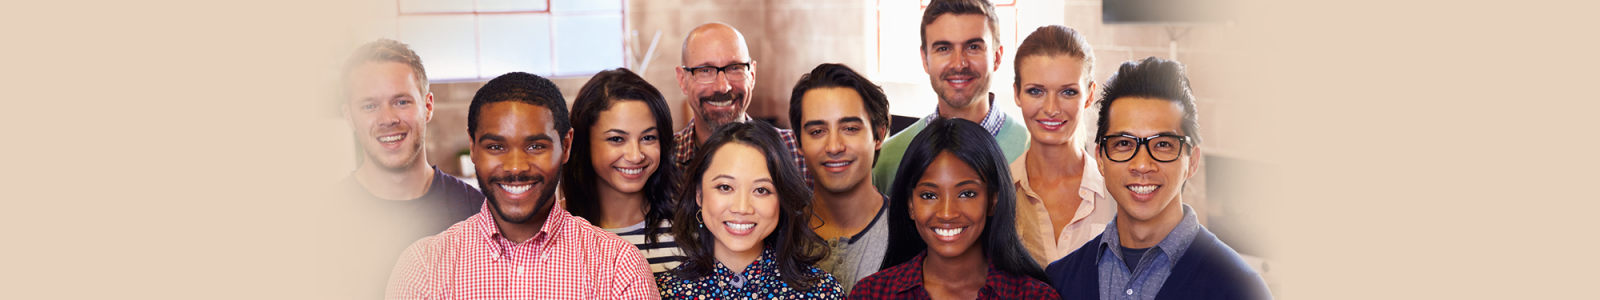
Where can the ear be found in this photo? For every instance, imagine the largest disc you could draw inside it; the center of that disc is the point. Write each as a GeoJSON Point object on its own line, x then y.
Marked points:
{"type": "Point", "coordinates": [750, 75]}
{"type": "Point", "coordinates": [1194, 163]}
{"type": "Point", "coordinates": [925, 63]}
{"type": "Point", "coordinates": [1089, 95]}
{"type": "Point", "coordinates": [566, 146]}
{"type": "Point", "coordinates": [699, 199]}
{"type": "Point", "coordinates": [427, 106]}
{"type": "Point", "coordinates": [683, 86]}
{"type": "Point", "coordinates": [999, 52]}
{"type": "Point", "coordinates": [878, 143]}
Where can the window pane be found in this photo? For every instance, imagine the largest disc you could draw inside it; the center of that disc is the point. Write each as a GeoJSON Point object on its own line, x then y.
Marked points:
{"type": "Point", "coordinates": [514, 43]}
{"type": "Point", "coordinates": [586, 44]}
{"type": "Point", "coordinates": [435, 6]}
{"type": "Point", "coordinates": [585, 5]}
{"type": "Point", "coordinates": [510, 5]}
{"type": "Point", "coordinates": [445, 43]}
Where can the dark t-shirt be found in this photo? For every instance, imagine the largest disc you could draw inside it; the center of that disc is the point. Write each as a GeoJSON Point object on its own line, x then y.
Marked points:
{"type": "Point", "coordinates": [1131, 256]}
{"type": "Point", "coordinates": [381, 229]}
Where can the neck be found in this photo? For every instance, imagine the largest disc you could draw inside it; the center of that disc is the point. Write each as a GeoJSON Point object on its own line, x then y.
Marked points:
{"type": "Point", "coordinates": [737, 262]}
{"type": "Point", "coordinates": [975, 111]}
{"type": "Point", "coordinates": [848, 209]}
{"type": "Point", "coordinates": [409, 183]}
{"type": "Point", "coordinates": [521, 233]}
{"type": "Point", "coordinates": [618, 209]}
{"type": "Point", "coordinates": [962, 272]}
{"type": "Point", "coordinates": [1054, 161]}
{"type": "Point", "coordinates": [1147, 233]}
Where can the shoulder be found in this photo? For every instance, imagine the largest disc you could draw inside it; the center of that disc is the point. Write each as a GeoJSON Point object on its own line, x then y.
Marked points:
{"type": "Point", "coordinates": [1034, 289]}
{"type": "Point", "coordinates": [1217, 270]}
{"type": "Point", "coordinates": [826, 287]}
{"type": "Point", "coordinates": [603, 242]}
{"type": "Point", "coordinates": [670, 285]}
{"type": "Point", "coordinates": [1077, 271]}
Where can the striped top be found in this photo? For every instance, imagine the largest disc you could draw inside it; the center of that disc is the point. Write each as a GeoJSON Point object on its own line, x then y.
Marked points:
{"type": "Point", "coordinates": [663, 256]}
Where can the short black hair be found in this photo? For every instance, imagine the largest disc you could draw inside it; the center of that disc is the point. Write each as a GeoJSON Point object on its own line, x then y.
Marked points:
{"type": "Point", "coordinates": [1151, 78]}
{"type": "Point", "coordinates": [521, 87]}
{"type": "Point", "coordinates": [873, 101]}
{"type": "Point", "coordinates": [973, 145]}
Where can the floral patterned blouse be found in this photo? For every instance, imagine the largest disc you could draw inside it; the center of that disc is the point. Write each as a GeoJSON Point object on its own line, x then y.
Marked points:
{"type": "Point", "coordinates": [759, 281]}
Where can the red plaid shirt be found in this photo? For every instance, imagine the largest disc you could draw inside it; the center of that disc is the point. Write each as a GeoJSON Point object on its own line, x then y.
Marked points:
{"type": "Point", "coordinates": [684, 151]}
{"type": "Point", "coordinates": [905, 282]}
{"type": "Point", "coordinates": [567, 259]}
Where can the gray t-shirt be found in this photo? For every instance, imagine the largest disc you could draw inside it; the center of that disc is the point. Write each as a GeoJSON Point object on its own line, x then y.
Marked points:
{"type": "Point", "coordinates": [856, 257]}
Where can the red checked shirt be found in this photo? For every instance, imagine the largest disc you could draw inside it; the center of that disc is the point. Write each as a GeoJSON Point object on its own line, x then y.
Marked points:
{"type": "Point", "coordinates": [904, 281]}
{"type": "Point", "coordinates": [567, 259]}
{"type": "Point", "coordinates": [684, 151]}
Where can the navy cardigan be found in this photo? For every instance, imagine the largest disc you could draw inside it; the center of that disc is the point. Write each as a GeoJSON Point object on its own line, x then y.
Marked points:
{"type": "Point", "coordinates": [1208, 270]}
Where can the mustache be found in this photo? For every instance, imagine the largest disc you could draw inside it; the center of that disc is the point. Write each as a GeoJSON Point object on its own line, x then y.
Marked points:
{"type": "Point", "coordinates": [722, 96]}
{"type": "Point", "coordinates": [517, 178]}
{"type": "Point", "coordinates": [968, 71]}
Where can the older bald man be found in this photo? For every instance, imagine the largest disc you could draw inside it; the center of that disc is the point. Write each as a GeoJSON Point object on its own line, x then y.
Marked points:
{"type": "Point", "coordinates": [718, 75]}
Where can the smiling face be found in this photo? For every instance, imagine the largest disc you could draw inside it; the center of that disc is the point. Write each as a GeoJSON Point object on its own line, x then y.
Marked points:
{"type": "Point", "coordinates": [950, 206]}
{"type": "Point", "coordinates": [1144, 188]}
{"type": "Point", "coordinates": [959, 56]}
{"type": "Point", "coordinates": [518, 155]}
{"type": "Point", "coordinates": [625, 146]}
{"type": "Point", "coordinates": [836, 137]}
{"type": "Point", "coordinates": [738, 200]}
{"type": "Point", "coordinates": [388, 112]}
{"type": "Point", "coordinates": [1054, 90]}
{"type": "Point", "coordinates": [722, 101]}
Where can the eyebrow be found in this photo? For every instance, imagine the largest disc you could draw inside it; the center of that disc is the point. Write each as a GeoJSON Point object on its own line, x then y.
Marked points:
{"type": "Point", "coordinates": [722, 177]}
{"type": "Point", "coordinates": [618, 131]}
{"type": "Point", "coordinates": [974, 41]}
{"type": "Point", "coordinates": [813, 123]}
{"type": "Point", "coordinates": [1130, 133]}
{"type": "Point", "coordinates": [928, 184]}
{"type": "Point", "coordinates": [969, 182]}
{"type": "Point", "coordinates": [767, 180]}
{"type": "Point", "coordinates": [490, 136]}
{"type": "Point", "coordinates": [537, 137]}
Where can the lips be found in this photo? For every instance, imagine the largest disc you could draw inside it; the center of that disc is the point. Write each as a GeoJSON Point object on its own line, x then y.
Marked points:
{"type": "Point", "coordinates": [948, 234]}
{"type": "Point", "coordinates": [739, 227]}
{"type": "Point", "coordinates": [1051, 124]}
{"type": "Point", "coordinates": [1143, 189]}
{"type": "Point", "coordinates": [958, 82]}
{"type": "Point", "coordinates": [836, 166]}
{"type": "Point", "coordinates": [516, 189]}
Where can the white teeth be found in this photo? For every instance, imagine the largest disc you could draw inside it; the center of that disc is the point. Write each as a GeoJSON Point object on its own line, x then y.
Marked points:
{"type": "Point", "coordinates": [516, 189]}
{"type": "Point", "coordinates": [948, 232]}
{"type": "Point", "coordinates": [1047, 123]}
{"type": "Point", "coordinates": [630, 171]}
{"type": "Point", "coordinates": [739, 227]}
{"type": "Point", "coordinates": [391, 138]}
{"type": "Point", "coordinates": [1142, 189]}
{"type": "Point", "coordinates": [959, 81]}
{"type": "Point", "coordinates": [836, 165]}
{"type": "Point", "coordinates": [720, 103]}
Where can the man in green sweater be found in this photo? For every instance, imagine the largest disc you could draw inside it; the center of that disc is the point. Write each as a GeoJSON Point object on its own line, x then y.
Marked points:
{"type": "Point", "coordinates": [960, 49]}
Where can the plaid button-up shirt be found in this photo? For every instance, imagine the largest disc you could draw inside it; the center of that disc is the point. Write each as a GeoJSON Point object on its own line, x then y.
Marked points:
{"type": "Point", "coordinates": [905, 282]}
{"type": "Point", "coordinates": [567, 259]}
{"type": "Point", "coordinates": [684, 151]}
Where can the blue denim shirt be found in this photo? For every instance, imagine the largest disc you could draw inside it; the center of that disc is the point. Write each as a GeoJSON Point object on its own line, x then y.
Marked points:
{"type": "Point", "coordinates": [1144, 280]}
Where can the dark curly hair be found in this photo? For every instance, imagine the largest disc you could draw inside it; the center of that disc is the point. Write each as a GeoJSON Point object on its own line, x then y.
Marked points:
{"type": "Point", "coordinates": [522, 87]}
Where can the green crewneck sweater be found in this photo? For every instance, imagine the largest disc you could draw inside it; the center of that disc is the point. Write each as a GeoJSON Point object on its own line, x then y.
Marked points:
{"type": "Point", "coordinates": [1013, 139]}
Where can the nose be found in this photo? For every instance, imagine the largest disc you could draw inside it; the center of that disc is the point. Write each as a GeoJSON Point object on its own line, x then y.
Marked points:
{"type": "Point", "coordinates": [1052, 107]}
{"type": "Point", "coordinates": [944, 209]}
{"type": "Point", "coordinates": [515, 162]}
{"type": "Point", "coordinates": [833, 145]}
{"type": "Point", "coordinates": [722, 84]}
{"type": "Point", "coordinates": [742, 204]}
{"type": "Point", "coordinates": [633, 153]}
{"type": "Point", "coordinates": [1142, 163]}
{"type": "Point", "coordinates": [961, 60]}
{"type": "Point", "coordinates": [388, 116]}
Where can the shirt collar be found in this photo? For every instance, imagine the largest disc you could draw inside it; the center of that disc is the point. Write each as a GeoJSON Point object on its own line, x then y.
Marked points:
{"type": "Point", "coordinates": [489, 231]}
{"type": "Point", "coordinates": [915, 278]}
{"type": "Point", "coordinates": [1091, 180]}
{"type": "Point", "coordinates": [1174, 244]}
{"type": "Point", "coordinates": [991, 121]}
{"type": "Point", "coordinates": [763, 265]}
{"type": "Point", "coordinates": [685, 140]}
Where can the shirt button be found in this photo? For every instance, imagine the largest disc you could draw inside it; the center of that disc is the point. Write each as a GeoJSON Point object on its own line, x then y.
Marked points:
{"type": "Point", "coordinates": [1130, 291]}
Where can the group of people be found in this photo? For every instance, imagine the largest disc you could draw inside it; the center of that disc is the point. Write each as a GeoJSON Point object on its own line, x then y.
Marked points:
{"type": "Point", "coordinates": [966, 203]}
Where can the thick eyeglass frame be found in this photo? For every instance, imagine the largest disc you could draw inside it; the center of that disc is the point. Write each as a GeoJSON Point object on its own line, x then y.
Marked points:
{"type": "Point", "coordinates": [1144, 142]}
{"type": "Point", "coordinates": [721, 71]}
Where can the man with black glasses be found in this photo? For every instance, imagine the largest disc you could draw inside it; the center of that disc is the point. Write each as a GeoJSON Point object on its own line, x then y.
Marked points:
{"type": "Point", "coordinates": [1155, 248]}
{"type": "Point", "coordinates": [718, 75]}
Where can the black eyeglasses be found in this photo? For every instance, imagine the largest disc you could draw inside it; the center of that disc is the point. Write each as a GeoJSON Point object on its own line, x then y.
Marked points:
{"type": "Point", "coordinates": [1162, 147]}
{"type": "Point", "coordinates": [708, 74]}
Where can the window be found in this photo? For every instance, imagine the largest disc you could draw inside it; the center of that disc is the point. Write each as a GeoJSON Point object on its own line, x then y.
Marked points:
{"type": "Point", "coordinates": [481, 39]}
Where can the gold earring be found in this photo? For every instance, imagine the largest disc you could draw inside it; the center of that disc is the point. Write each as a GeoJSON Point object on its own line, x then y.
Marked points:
{"type": "Point", "coordinates": [698, 219]}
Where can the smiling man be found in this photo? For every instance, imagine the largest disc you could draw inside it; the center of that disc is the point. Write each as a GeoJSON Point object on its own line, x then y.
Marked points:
{"type": "Point", "coordinates": [842, 119]}
{"type": "Point", "coordinates": [1148, 146]}
{"type": "Point", "coordinates": [520, 245]}
{"type": "Point", "coordinates": [400, 195]}
{"type": "Point", "coordinates": [718, 75]}
{"type": "Point", "coordinates": [960, 49]}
